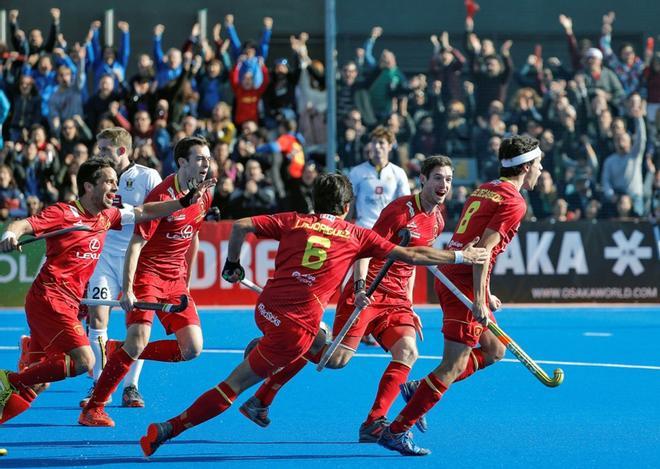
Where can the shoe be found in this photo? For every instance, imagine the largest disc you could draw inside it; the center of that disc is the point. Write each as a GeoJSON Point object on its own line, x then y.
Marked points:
{"type": "Point", "coordinates": [83, 402]}
{"type": "Point", "coordinates": [157, 434]}
{"type": "Point", "coordinates": [95, 417]}
{"type": "Point", "coordinates": [370, 432]}
{"type": "Point", "coordinates": [254, 410]}
{"type": "Point", "coordinates": [407, 391]}
{"type": "Point", "coordinates": [6, 388]}
{"type": "Point", "coordinates": [131, 397]}
{"type": "Point", "coordinates": [250, 346]}
{"type": "Point", "coordinates": [401, 442]}
{"type": "Point", "coordinates": [369, 340]}
{"type": "Point", "coordinates": [24, 349]}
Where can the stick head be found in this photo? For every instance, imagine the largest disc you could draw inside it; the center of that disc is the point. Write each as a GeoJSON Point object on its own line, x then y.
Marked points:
{"type": "Point", "coordinates": [183, 304]}
{"type": "Point", "coordinates": [404, 234]}
{"type": "Point", "coordinates": [557, 379]}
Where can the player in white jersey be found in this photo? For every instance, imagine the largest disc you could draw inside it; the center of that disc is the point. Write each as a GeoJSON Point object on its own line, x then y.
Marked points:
{"type": "Point", "coordinates": [135, 182]}
{"type": "Point", "coordinates": [376, 183]}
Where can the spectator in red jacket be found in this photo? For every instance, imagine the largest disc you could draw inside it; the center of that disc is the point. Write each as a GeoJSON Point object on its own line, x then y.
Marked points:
{"type": "Point", "coordinates": [247, 96]}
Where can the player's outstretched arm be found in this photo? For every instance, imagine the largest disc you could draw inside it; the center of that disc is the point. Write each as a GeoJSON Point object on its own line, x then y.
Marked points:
{"type": "Point", "coordinates": [424, 255]}
{"type": "Point", "coordinates": [489, 240]}
{"type": "Point", "coordinates": [233, 271]}
{"type": "Point", "coordinates": [16, 229]}
{"type": "Point", "coordinates": [133, 250]}
{"type": "Point", "coordinates": [152, 210]}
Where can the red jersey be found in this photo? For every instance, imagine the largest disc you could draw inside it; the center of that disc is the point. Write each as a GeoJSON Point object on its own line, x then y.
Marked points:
{"type": "Point", "coordinates": [168, 239]}
{"type": "Point", "coordinates": [72, 257]}
{"type": "Point", "coordinates": [247, 101]}
{"type": "Point", "coordinates": [496, 205]}
{"type": "Point", "coordinates": [314, 254]}
{"type": "Point", "coordinates": [404, 212]}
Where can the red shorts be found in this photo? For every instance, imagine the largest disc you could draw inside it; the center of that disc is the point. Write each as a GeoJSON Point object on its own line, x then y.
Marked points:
{"type": "Point", "coordinates": [284, 341]}
{"type": "Point", "coordinates": [54, 324]}
{"type": "Point", "coordinates": [152, 289]}
{"type": "Point", "coordinates": [385, 312]}
{"type": "Point", "coordinates": [458, 324]}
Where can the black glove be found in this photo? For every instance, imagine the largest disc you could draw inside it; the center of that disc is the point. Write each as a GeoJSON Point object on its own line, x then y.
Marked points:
{"type": "Point", "coordinates": [186, 200]}
{"type": "Point", "coordinates": [230, 269]}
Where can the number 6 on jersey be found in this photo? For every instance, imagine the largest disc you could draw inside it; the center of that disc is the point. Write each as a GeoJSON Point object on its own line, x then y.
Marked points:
{"type": "Point", "coordinates": [315, 253]}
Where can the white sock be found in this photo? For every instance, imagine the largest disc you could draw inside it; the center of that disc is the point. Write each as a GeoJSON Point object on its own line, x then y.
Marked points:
{"type": "Point", "coordinates": [97, 339]}
{"type": "Point", "coordinates": [133, 375]}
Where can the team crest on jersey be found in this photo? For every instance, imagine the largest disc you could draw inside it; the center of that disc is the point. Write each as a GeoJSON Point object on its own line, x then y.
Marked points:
{"type": "Point", "coordinates": [129, 184]}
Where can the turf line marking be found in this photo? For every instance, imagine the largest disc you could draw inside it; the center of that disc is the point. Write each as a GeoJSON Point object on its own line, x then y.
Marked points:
{"type": "Point", "coordinates": [597, 334]}
{"type": "Point", "coordinates": [438, 357]}
{"type": "Point", "coordinates": [2, 329]}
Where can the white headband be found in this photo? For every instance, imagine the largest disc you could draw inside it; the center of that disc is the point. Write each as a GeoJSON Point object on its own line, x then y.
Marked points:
{"type": "Point", "coordinates": [520, 159]}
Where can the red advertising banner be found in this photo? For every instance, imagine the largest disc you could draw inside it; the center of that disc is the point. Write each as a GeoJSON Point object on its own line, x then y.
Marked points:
{"type": "Point", "coordinates": [258, 259]}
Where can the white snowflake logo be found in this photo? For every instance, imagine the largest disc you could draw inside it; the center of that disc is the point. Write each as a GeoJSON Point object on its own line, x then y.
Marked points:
{"type": "Point", "coordinates": [628, 253]}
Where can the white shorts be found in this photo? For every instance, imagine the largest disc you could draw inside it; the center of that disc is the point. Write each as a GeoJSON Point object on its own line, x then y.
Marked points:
{"type": "Point", "coordinates": [106, 282]}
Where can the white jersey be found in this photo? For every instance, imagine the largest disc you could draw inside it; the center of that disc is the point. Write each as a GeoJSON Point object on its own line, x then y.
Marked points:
{"type": "Point", "coordinates": [374, 191]}
{"type": "Point", "coordinates": [134, 185]}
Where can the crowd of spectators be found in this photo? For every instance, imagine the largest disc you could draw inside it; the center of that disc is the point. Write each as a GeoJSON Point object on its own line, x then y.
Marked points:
{"type": "Point", "coordinates": [596, 115]}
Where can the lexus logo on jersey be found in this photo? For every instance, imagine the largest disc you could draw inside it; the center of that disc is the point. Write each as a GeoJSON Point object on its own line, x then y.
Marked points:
{"type": "Point", "coordinates": [185, 233]}
{"type": "Point", "coordinates": [94, 244]}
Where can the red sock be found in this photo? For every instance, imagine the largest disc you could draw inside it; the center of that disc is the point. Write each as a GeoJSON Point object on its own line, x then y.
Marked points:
{"type": "Point", "coordinates": [395, 374]}
{"type": "Point", "coordinates": [213, 402]}
{"type": "Point", "coordinates": [269, 389]}
{"type": "Point", "coordinates": [162, 351]}
{"type": "Point", "coordinates": [113, 372]}
{"type": "Point", "coordinates": [475, 363]}
{"type": "Point", "coordinates": [54, 367]}
{"type": "Point", "coordinates": [427, 395]}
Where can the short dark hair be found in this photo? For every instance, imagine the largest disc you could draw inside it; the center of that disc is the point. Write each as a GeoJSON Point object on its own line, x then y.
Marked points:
{"type": "Point", "coordinates": [183, 146]}
{"type": "Point", "coordinates": [433, 162]}
{"type": "Point", "coordinates": [90, 171]}
{"type": "Point", "coordinates": [512, 147]}
{"type": "Point", "coordinates": [331, 193]}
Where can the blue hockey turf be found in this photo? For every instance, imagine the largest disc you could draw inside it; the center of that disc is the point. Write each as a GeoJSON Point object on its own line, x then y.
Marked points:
{"type": "Point", "coordinates": [606, 414]}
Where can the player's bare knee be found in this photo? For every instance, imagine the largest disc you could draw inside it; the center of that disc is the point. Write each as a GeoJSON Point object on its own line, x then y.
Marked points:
{"type": "Point", "coordinates": [191, 351]}
{"type": "Point", "coordinates": [494, 354]}
{"type": "Point", "coordinates": [83, 361]}
{"type": "Point", "coordinates": [405, 351]}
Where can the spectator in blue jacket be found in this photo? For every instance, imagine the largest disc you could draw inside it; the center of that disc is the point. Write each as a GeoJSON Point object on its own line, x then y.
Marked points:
{"type": "Point", "coordinates": [252, 53]}
{"type": "Point", "coordinates": [168, 67]}
{"type": "Point", "coordinates": [107, 61]}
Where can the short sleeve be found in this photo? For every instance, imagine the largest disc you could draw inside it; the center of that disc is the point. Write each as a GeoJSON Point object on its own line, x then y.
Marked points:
{"type": "Point", "coordinates": [390, 221]}
{"type": "Point", "coordinates": [273, 226]}
{"type": "Point", "coordinates": [508, 215]}
{"type": "Point", "coordinates": [373, 245]}
{"type": "Point", "coordinates": [127, 215]}
{"type": "Point", "coordinates": [153, 180]}
{"type": "Point", "coordinates": [403, 185]}
{"type": "Point", "coordinates": [51, 218]}
{"type": "Point", "coordinates": [147, 228]}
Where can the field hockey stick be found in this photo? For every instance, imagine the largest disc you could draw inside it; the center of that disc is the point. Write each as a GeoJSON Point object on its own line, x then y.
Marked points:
{"type": "Point", "coordinates": [54, 233]}
{"type": "Point", "coordinates": [405, 239]}
{"type": "Point", "coordinates": [252, 286]}
{"type": "Point", "coordinates": [165, 307]}
{"type": "Point", "coordinates": [510, 344]}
